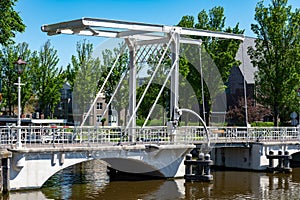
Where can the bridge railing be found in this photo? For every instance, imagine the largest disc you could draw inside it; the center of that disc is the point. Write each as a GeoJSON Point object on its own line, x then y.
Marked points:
{"type": "Point", "coordinates": [93, 136]}
{"type": "Point", "coordinates": [255, 134]}
{"type": "Point", "coordinates": [276, 134]}
{"type": "Point", "coordinates": [186, 134]}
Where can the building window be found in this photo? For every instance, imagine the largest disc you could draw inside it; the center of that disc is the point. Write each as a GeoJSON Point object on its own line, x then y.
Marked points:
{"type": "Point", "coordinates": [99, 117]}
{"type": "Point", "coordinates": [99, 105]}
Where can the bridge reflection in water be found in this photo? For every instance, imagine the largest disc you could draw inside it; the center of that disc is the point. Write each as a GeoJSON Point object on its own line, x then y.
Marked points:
{"type": "Point", "coordinates": [90, 181]}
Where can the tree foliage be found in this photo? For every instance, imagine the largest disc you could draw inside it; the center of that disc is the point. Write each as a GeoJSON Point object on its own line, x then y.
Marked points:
{"type": "Point", "coordinates": [83, 76]}
{"type": "Point", "coordinates": [9, 76]}
{"type": "Point", "coordinates": [277, 56]}
{"type": "Point", "coordinates": [222, 52]}
{"type": "Point", "coordinates": [10, 22]}
{"type": "Point", "coordinates": [121, 98]}
{"type": "Point", "coordinates": [256, 112]}
{"type": "Point", "coordinates": [41, 78]}
{"type": "Point", "coordinates": [48, 79]}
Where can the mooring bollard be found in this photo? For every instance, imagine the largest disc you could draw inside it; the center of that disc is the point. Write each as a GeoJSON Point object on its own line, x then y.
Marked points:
{"type": "Point", "coordinates": [188, 166]}
{"type": "Point", "coordinates": [283, 162]}
{"type": "Point", "coordinates": [280, 159]}
{"type": "Point", "coordinates": [271, 161]}
{"type": "Point", "coordinates": [207, 167]}
{"type": "Point", "coordinates": [201, 167]}
{"type": "Point", "coordinates": [286, 161]}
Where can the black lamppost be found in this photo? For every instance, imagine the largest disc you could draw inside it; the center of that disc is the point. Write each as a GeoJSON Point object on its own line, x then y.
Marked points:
{"type": "Point", "coordinates": [19, 68]}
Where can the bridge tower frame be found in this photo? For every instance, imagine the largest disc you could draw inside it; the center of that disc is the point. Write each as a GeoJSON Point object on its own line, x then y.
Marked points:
{"type": "Point", "coordinates": [135, 34]}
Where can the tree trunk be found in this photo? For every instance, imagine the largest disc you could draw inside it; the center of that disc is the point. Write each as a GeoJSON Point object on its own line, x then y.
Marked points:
{"type": "Point", "coordinates": [276, 113]}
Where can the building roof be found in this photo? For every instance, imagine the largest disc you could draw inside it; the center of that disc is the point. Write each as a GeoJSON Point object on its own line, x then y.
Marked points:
{"type": "Point", "coordinates": [246, 68]}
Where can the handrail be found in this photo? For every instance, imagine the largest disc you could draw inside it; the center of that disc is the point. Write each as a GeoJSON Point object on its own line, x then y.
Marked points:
{"type": "Point", "coordinates": [53, 136]}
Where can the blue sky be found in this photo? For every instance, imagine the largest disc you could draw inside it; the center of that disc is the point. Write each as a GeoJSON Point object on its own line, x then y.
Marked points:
{"type": "Point", "coordinates": [35, 13]}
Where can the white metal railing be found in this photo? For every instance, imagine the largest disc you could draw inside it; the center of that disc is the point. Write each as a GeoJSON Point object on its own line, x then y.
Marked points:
{"type": "Point", "coordinates": [93, 136]}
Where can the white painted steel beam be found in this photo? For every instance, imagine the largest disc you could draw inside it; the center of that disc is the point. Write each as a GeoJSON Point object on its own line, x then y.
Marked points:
{"type": "Point", "coordinates": [205, 33]}
{"type": "Point", "coordinates": [175, 46]}
{"type": "Point", "coordinates": [157, 40]}
{"type": "Point", "coordinates": [131, 33]}
{"type": "Point", "coordinates": [190, 41]}
{"type": "Point", "coordinates": [132, 89]}
{"type": "Point", "coordinates": [117, 24]}
{"type": "Point", "coordinates": [127, 29]}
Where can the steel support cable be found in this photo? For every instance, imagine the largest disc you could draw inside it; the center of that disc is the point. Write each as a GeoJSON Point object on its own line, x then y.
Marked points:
{"type": "Point", "coordinates": [160, 92]}
{"type": "Point", "coordinates": [102, 87]}
{"type": "Point", "coordinates": [113, 95]}
{"type": "Point", "coordinates": [150, 81]}
{"type": "Point", "coordinates": [117, 88]}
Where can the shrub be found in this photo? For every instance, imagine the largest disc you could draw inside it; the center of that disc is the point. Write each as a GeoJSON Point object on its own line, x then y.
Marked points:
{"type": "Point", "coordinates": [262, 124]}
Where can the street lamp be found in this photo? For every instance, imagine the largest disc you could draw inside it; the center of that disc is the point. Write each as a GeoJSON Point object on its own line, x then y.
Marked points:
{"type": "Point", "coordinates": [19, 68]}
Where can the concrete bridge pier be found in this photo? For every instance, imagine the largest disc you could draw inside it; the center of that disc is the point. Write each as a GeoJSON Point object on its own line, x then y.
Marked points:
{"type": "Point", "coordinates": [254, 156]}
{"type": "Point", "coordinates": [31, 168]}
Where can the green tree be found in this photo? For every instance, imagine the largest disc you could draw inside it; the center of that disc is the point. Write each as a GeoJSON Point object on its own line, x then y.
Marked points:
{"type": "Point", "coordinates": [26, 76]}
{"type": "Point", "coordinates": [277, 56]}
{"type": "Point", "coordinates": [222, 52]}
{"type": "Point", "coordinates": [9, 77]}
{"type": "Point", "coordinates": [109, 58]}
{"type": "Point", "coordinates": [10, 22]}
{"type": "Point", "coordinates": [10, 54]}
{"type": "Point", "coordinates": [83, 76]}
{"type": "Point", "coordinates": [187, 22]}
{"type": "Point", "coordinates": [149, 99]}
{"type": "Point", "coordinates": [48, 79]}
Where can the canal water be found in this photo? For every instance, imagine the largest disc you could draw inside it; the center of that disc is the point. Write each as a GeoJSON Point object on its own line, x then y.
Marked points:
{"type": "Point", "coordinates": [90, 181]}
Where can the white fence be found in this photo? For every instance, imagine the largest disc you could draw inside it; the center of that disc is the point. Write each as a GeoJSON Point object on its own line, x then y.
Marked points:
{"type": "Point", "coordinates": [93, 136]}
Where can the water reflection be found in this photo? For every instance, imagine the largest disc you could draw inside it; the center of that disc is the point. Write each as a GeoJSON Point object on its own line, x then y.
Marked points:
{"type": "Point", "coordinates": [25, 195]}
{"type": "Point", "coordinates": [90, 181]}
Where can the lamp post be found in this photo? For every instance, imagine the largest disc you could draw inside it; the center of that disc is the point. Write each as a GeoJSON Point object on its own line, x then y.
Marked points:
{"type": "Point", "coordinates": [19, 67]}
